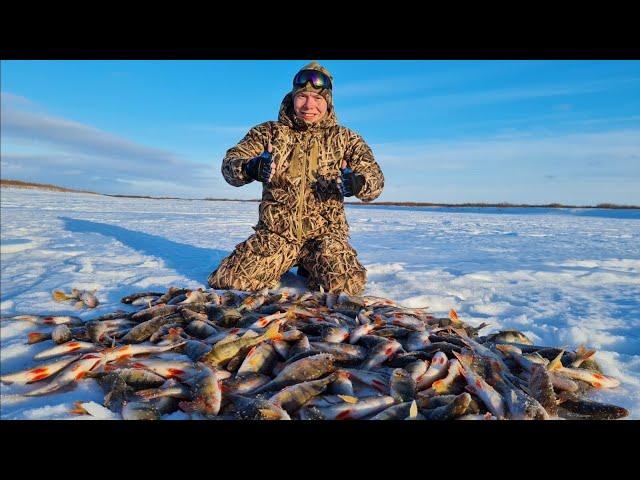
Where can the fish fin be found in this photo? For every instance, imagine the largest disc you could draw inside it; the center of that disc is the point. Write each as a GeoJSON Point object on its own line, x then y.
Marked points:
{"type": "Point", "coordinates": [78, 409]}
{"type": "Point", "coordinates": [583, 354]}
{"type": "Point", "coordinates": [174, 334]}
{"type": "Point", "coordinates": [348, 398]}
{"type": "Point", "coordinates": [36, 337]}
{"type": "Point", "coordinates": [453, 316]}
{"type": "Point", "coordinates": [556, 363]}
{"type": "Point", "coordinates": [269, 414]}
{"type": "Point", "coordinates": [78, 305]}
{"type": "Point", "coordinates": [413, 410]}
{"type": "Point", "coordinates": [273, 331]}
{"type": "Point", "coordinates": [59, 296]}
{"type": "Point", "coordinates": [480, 327]}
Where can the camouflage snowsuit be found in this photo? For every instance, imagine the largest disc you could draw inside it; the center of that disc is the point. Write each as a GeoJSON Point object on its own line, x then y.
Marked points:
{"type": "Point", "coordinates": [301, 216]}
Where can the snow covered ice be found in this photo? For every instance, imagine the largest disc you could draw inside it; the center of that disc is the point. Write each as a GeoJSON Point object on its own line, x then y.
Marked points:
{"type": "Point", "coordinates": [564, 277]}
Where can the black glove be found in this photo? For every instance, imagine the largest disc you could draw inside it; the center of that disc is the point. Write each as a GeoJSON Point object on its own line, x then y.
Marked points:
{"type": "Point", "coordinates": [352, 183]}
{"type": "Point", "coordinates": [259, 168]}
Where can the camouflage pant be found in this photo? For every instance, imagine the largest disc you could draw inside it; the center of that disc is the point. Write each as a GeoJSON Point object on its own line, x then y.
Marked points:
{"type": "Point", "coordinates": [264, 257]}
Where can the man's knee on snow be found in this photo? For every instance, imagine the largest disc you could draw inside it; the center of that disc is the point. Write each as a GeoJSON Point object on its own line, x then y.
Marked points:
{"type": "Point", "coordinates": [350, 282]}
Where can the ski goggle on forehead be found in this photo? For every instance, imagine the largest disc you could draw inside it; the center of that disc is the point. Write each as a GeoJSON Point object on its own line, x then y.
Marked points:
{"type": "Point", "coordinates": [317, 79]}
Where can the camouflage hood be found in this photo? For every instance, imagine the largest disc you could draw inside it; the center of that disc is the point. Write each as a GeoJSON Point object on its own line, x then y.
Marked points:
{"type": "Point", "coordinates": [288, 117]}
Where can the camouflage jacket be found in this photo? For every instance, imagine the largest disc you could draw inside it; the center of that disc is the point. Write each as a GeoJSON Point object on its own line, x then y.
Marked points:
{"type": "Point", "coordinates": [303, 201]}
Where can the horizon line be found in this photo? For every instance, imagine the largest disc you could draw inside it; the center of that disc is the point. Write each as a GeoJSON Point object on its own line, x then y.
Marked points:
{"type": "Point", "coordinates": [51, 187]}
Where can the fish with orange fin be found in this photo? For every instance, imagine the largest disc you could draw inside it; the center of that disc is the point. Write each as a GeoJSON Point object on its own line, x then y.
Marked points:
{"type": "Point", "coordinates": [582, 355]}
{"type": "Point", "coordinates": [254, 301]}
{"type": "Point", "coordinates": [221, 353]}
{"type": "Point", "coordinates": [305, 369]}
{"type": "Point", "coordinates": [82, 298]}
{"type": "Point", "coordinates": [380, 353]}
{"type": "Point", "coordinates": [293, 397]}
{"type": "Point", "coordinates": [47, 319]}
{"type": "Point", "coordinates": [78, 409]}
{"type": "Point", "coordinates": [437, 369]}
{"type": "Point", "coordinates": [41, 372]}
{"type": "Point", "coordinates": [479, 387]}
{"type": "Point", "coordinates": [65, 348]}
{"type": "Point", "coordinates": [133, 349]}
{"type": "Point", "coordinates": [37, 337]}
{"type": "Point", "coordinates": [453, 316]}
{"type": "Point", "coordinates": [265, 321]}
{"type": "Point", "coordinates": [177, 369]}
{"type": "Point", "coordinates": [597, 380]}
{"type": "Point", "coordinates": [171, 388]}
{"type": "Point", "coordinates": [207, 394]}
{"type": "Point", "coordinates": [445, 385]}
{"type": "Point", "coordinates": [346, 410]}
{"type": "Point", "coordinates": [364, 329]}
{"type": "Point", "coordinates": [78, 370]}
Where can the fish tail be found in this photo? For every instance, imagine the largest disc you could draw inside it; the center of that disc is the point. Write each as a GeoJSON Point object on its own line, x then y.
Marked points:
{"type": "Point", "coordinates": [36, 337]}
{"type": "Point", "coordinates": [59, 296]}
{"type": "Point", "coordinates": [78, 409]}
{"type": "Point", "coordinates": [348, 398]}
{"type": "Point", "coordinates": [273, 331]}
{"type": "Point", "coordinates": [438, 386]}
{"type": "Point", "coordinates": [583, 354]}
{"type": "Point", "coordinates": [413, 410]}
{"type": "Point", "coordinates": [556, 363]}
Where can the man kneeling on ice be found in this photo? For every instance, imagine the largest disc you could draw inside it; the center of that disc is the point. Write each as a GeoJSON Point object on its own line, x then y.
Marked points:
{"type": "Point", "coordinates": [307, 164]}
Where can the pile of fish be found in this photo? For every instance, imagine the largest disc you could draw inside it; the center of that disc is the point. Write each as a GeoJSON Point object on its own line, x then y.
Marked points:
{"type": "Point", "coordinates": [308, 356]}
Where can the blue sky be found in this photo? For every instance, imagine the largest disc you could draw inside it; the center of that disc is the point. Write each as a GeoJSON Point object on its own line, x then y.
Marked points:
{"type": "Point", "coordinates": [442, 131]}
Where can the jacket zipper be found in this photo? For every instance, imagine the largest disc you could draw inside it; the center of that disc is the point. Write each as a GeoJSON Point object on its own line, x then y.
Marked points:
{"type": "Point", "coordinates": [303, 183]}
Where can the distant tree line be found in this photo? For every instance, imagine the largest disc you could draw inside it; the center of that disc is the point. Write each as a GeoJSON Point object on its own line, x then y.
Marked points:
{"type": "Point", "coordinates": [45, 186]}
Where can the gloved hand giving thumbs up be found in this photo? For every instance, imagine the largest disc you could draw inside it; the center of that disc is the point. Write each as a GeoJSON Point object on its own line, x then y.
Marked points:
{"type": "Point", "coordinates": [259, 168]}
{"type": "Point", "coordinates": [350, 182]}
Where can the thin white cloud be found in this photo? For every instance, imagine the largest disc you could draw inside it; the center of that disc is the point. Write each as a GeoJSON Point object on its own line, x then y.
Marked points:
{"type": "Point", "coordinates": [577, 168]}
{"type": "Point", "coordinates": [576, 153]}
{"type": "Point", "coordinates": [37, 145]}
{"type": "Point", "coordinates": [467, 99]}
{"type": "Point", "coordinates": [7, 98]}
{"type": "Point", "coordinates": [78, 137]}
